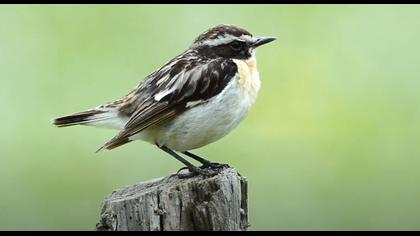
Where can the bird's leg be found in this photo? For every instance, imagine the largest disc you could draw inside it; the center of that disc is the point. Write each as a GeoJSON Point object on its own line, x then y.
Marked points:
{"type": "Point", "coordinates": [193, 169]}
{"type": "Point", "coordinates": [206, 163]}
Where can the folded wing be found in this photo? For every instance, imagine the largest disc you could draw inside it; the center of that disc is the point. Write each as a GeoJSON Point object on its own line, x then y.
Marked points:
{"type": "Point", "coordinates": [178, 86]}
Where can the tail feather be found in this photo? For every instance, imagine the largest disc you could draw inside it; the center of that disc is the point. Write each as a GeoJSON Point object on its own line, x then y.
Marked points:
{"type": "Point", "coordinates": [81, 118]}
{"type": "Point", "coordinates": [111, 144]}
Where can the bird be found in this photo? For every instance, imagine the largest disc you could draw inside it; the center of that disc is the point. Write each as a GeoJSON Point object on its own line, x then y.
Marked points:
{"type": "Point", "coordinates": [193, 100]}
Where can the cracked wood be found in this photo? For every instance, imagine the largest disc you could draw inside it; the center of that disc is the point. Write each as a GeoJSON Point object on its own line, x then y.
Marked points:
{"type": "Point", "coordinates": [166, 204]}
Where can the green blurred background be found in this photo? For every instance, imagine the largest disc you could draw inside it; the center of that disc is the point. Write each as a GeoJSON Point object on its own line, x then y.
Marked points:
{"type": "Point", "coordinates": [333, 142]}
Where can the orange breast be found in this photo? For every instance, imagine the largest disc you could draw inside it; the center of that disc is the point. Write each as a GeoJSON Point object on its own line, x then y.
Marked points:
{"type": "Point", "coordinates": [248, 75]}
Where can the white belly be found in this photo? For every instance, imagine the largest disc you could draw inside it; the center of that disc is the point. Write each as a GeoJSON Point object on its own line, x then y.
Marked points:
{"type": "Point", "coordinates": [205, 123]}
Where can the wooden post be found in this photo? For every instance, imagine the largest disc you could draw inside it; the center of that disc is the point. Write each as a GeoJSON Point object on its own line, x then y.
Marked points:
{"type": "Point", "coordinates": [170, 203]}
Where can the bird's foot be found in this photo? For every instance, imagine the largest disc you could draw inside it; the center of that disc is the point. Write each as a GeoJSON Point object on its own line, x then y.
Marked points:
{"type": "Point", "coordinates": [194, 171]}
{"type": "Point", "coordinates": [214, 165]}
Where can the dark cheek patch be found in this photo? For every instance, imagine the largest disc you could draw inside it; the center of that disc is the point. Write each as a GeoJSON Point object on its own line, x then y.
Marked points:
{"type": "Point", "coordinates": [227, 52]}
{"type": "Point", "coordinates": [224, 51]}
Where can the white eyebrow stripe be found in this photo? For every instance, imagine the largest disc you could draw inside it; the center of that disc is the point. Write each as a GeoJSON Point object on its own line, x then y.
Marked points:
{"type": "Point", "coordinates": [223, 39]}
{"type": "Point", "coordinates": [247, 38]}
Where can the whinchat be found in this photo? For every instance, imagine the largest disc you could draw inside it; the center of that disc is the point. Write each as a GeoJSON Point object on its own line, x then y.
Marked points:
{"type": "Point", "coordinates": [193, 100]}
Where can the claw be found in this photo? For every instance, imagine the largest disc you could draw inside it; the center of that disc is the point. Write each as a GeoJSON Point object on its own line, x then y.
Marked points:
{"type": "Point", "coordinates": [183, 168]}
{"type": "Point", "coordinates": [186, 175]}
{"type": "Point", "coordinates": [214, 165]}
{"type": "Point", "coordinates": [206, 172]}
{"type": "Point", "coordinates": [197, 171]}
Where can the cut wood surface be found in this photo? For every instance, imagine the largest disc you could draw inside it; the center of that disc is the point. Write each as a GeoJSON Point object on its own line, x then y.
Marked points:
{"type": "Point", "coordinates": [197, 203]}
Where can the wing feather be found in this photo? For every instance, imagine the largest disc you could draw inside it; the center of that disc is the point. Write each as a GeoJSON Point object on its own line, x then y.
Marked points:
{"type": "Point", "coordinates": [193, 83]}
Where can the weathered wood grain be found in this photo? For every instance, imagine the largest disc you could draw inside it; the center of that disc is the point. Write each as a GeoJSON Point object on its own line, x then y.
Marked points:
{"type": "Point", "coordinates": [170, 203]}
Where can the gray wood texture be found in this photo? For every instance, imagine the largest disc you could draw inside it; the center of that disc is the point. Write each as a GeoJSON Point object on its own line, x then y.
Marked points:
{"type": "Point", "coordinates": [217, 203]}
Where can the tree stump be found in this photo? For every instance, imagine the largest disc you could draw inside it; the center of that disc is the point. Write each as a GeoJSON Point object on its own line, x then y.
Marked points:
{"type": "Point", "coordinates": [198, 203]}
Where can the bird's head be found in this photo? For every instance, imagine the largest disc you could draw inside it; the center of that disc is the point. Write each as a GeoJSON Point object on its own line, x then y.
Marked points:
{"type": "Point", "coordinates": [228, 41]}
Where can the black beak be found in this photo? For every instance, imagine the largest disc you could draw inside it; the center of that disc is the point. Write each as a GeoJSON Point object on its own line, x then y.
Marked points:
{"type": "Point", "coordinates": [262, 41]}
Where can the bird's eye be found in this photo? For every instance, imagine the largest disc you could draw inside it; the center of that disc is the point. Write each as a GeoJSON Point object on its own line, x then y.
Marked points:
{"type": "Point", "coordinates": [236, 46]}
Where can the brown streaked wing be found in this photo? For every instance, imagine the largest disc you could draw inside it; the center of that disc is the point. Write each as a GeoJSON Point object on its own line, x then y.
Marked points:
{"type": "Point", "coordinates": [150, 114]}
{"type": "Point", "coordinates": [198, 83]}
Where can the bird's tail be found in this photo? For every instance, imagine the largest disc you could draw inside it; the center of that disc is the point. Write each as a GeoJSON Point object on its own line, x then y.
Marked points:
{"type": "Point", "coordinates": [84, 118]}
